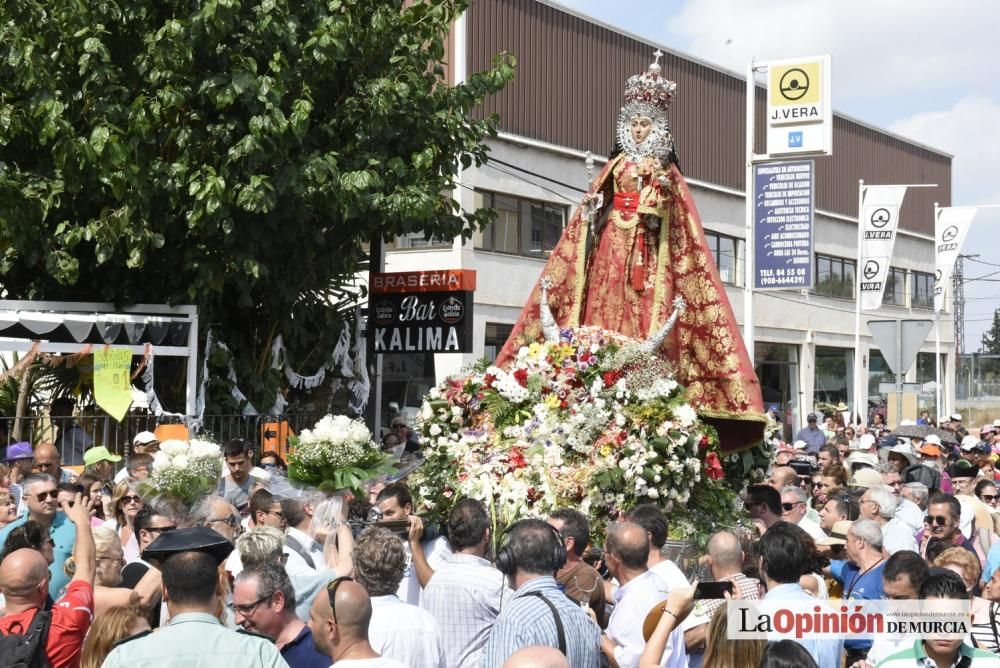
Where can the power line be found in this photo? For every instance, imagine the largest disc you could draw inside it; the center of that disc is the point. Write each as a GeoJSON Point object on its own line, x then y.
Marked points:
{"type": "Point", "coordinates": [535, 174]}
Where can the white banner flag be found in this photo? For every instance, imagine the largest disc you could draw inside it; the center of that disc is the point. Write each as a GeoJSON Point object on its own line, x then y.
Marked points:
{"type": "Point", "coordinates": [950, 228]}
{"type": "Point", "coordinates": [879, 218]}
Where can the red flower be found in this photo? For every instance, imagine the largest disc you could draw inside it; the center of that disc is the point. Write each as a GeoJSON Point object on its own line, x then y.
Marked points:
{"type": "Point", "coordinates": [488, 380]}
{"type": "Point", "coordinates": [521, 376]}
{"type": "Point", "coordinates": [611, 377]}
{"type": "Point", "coordinates": [516, 458]}
{"type": "Point", "coordinates": [713, 467]}
{"type": "Point", "coordinates": [703, 443]}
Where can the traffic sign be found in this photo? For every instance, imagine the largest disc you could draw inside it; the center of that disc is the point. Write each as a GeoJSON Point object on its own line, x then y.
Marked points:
{"type": "Point", "coordinates": [900, 346]}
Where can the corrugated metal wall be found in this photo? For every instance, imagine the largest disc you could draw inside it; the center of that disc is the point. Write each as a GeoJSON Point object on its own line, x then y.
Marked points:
{"type": "Point", "coordinates": [568, 90]}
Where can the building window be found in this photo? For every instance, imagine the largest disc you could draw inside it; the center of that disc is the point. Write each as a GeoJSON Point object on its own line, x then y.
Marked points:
{"type": "Point", "coordinates": [725, 251]}
{"type": "Point", "coordinates": [417, 240]}
{"type": "Point", "coordinates": [835, 276]}
{"type": "Point", "coordinates": [522, 226]}
{"type": "Point", "coordinates": [895, 287]}
{"type": "Point", "coordinates": [921, 290]}
{"type": "Point", "coordinates": [496, 335]}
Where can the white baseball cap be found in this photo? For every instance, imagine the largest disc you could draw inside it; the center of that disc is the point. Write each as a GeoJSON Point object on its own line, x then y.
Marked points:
{"type": "Point", "coordinates": [145, 438]}
{"type": "Point", "coordinates": [969, 442]}
{"type": "Point", "coordinates": [799, 445]}
{"type": "Point", "coordinates": [933, 439]}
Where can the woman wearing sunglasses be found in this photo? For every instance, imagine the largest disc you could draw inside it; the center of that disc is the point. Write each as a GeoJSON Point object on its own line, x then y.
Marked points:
{"type": "Point", "coordinates": [125, 503]}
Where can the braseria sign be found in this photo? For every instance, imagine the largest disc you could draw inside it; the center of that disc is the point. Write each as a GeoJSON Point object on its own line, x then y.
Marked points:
{"type": "Point", "coordinates": [422, 311]}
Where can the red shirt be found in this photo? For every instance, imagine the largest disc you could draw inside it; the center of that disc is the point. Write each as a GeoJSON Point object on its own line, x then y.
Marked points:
{"type": "Point", "coordinates": [71, 617]}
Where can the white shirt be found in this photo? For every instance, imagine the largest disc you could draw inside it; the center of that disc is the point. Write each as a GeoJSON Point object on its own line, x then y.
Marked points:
{"type": "Point", "coordinates": [897, 536]}
{"type": "Point", "coordinates": [465, 596]}
{"type": "Point", "coordinates": [380, 662]}
{"type": "Point", "coordinates": [405, 633]}
{"type": "Point", "coordinates": [814, 530]}
{"type": "Point", "coordinates": [434, 552]}
{"type": "Point", "coordinates": [910, 513]}
{"type": "Point", "coordinates": [670, 574]}
{"type": "Point", "coordinates": [310, 545]}
{"type": "Point", "coordinates": [632, 603]}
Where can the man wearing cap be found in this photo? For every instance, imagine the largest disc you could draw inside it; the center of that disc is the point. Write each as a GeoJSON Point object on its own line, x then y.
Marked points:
{"type": "Point", "coordinates": [19, 457]}
{"type": "Point", "coordinates": [100, 463]}
{"type": "Point", "coordinates": [144, 443]}
{"type": "Point", "coordinates": [930, 470]}
{"type": "Point", "coordinates": [812, 434]}
{"type": "Point", "coordinates": [194, 638]}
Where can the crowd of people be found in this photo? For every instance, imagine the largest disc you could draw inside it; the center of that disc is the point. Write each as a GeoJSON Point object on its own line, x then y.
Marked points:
{"type": "Point", "coordinates": [93, 574]}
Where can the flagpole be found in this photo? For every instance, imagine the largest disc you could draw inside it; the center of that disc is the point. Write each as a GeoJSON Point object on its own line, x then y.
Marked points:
{"type": "Point", "coordinates": [748, 256]}
{"type": "Point", "coordinates": [860, 415]}
{"type": "Point", "coordinates": [937, 333]}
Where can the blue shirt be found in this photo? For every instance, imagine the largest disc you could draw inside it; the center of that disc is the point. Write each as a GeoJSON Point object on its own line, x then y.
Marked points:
{"type": "Point", "coordinates": [302, 653]}
{"type": "Point", "coordinates": [826, 653]}
{"type": "Point", "coordinates": [814, 438]}
{"type": "Point", "coordinates": [63, 534]}
{"type": "Point", "coordinates": [992, 561]}
{"type": "Point", "coordinates": [526, 621]}
{"type": "Point", "coordinates": [858, 586]}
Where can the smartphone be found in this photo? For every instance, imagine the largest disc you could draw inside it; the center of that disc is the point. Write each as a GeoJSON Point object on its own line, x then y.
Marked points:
{"type": "Point", "coordinates": [713, 590]}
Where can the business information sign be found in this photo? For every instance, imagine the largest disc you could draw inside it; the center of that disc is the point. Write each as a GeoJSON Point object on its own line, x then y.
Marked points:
{"type": "Point", "coordinates": [784, 212]}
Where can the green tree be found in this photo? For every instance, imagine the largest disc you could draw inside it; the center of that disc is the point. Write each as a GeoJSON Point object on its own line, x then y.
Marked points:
{"type": "Point", "coordinates": [991, 337]}
{"type": "Point", "coordinates": [238, 155]}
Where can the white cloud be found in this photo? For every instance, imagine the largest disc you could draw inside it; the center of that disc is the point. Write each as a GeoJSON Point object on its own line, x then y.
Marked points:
{"type": "Point", "coordinates": [970, 130]}
{"type": "Point", "coordinates": [884, 51]}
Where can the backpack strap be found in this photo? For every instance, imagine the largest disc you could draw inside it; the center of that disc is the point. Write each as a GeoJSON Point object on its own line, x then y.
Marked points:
{"type": "Point", "coordinates": [560, 631]}
{"type": "Point", "coordinates": [300, 550]}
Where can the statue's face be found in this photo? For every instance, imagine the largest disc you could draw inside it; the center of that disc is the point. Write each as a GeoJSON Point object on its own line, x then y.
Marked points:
{"type": "Point", "coordinates": [639, 127]}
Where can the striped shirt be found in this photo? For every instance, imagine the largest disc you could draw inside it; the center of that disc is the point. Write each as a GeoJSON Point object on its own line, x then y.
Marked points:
{"type": "Point", "coordinates": [464, 597]}
{"type": "Point", "coordinates": [916, 657]}
{"type": "Point", "coordinates": [527, 621]}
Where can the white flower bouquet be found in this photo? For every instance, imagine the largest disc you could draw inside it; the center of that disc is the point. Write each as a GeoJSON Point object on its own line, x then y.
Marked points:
{"type": "Point", "coordinates": [337, 453]}
{"type": "Point", "coordinates": [184, 471]}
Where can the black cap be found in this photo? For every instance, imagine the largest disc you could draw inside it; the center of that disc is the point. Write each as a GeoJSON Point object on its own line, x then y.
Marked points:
{"type": "Point", "coordinates": [963, 469]}
{"type": "Point", "coordinates": [195, 539]}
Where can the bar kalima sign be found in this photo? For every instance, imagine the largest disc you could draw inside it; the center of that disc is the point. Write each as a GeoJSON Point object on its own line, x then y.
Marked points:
{"type": "Point", "coordinates": [425, 311]}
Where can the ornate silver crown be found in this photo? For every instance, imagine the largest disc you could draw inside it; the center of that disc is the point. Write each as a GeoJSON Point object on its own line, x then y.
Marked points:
{"type": "Point", "coordinates": [648, 94]}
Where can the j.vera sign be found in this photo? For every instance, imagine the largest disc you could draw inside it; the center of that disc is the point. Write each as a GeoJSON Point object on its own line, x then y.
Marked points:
{"type": "Point", "coordinates": [422, 311]}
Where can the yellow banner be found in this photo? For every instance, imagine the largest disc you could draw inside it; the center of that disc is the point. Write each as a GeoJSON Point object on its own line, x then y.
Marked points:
{"type": "Point", "coordinates": [112, 384]}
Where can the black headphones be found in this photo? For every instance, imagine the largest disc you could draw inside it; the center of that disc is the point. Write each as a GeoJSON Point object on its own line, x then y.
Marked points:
{"type": "Point", "coordinates": [506, 562]}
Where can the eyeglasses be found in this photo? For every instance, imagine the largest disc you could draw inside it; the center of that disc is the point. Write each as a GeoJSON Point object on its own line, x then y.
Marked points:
{"type": "Point", "coordinates": [131, 499]}
{"type": "Point", "coordinates": [788, 506]}
{"type": "Point", "coordinates": [331, 591]}
{"type": "Point", "coordinates": [820, 484]}
{"type": "Point", "coordinates": [940, 520]}
{"type": "Point", "coordinates": [160, 529]}
{"type": "Point", "coordinates": [988, 497]}
{"type": "Point", "coordinates": [277, 513]}
{"type": "Point", "coordinates": [249, 608]}
{"type": "Point", "coordinates": [51, 494]}
{"type": "Point", "coordinates": [231, 521]}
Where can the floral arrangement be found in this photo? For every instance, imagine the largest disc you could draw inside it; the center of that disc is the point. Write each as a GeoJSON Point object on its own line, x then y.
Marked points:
{"type": "Point", "coordinates": [337, 453]}
{"type": "Point", "coordinates": [184, 471]}
{"type": "Point", "coordinates": [590, 422]}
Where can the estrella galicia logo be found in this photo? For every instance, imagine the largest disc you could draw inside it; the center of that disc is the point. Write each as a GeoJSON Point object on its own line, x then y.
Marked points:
{"type": "Point", "coordinates": [871, 269]}
{"type": "Point", "coordinates": [795, 139]}
{"type": "Point", "coordinates": [880, 217]}
{"type": "Point", "coordinates": [949, 233]}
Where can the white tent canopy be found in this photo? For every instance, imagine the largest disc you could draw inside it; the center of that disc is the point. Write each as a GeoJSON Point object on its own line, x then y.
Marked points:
{"type": "Point", "coordinates": [69, 327]}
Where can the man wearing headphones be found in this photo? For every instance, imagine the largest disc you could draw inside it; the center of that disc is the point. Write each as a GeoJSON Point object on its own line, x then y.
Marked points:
{"type": "Point", "coordinates": [539, 614]}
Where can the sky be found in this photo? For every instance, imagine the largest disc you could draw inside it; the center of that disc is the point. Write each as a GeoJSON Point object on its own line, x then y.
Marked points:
{"type": "Point", "coordinates": [924, 70]}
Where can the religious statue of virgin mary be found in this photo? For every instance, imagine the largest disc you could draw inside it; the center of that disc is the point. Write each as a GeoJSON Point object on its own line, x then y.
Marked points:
{"type": "Point", "coordinates": [632, 247]}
